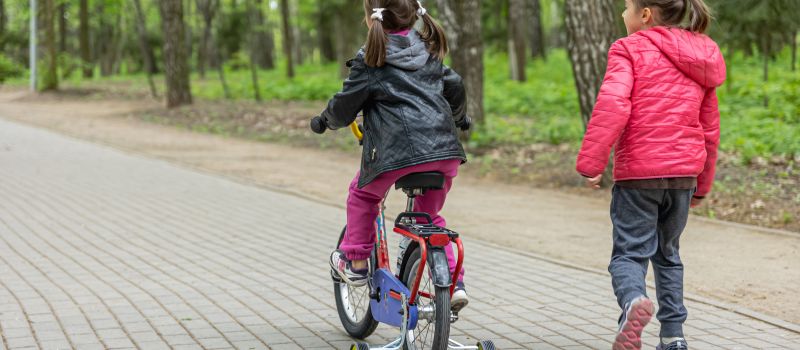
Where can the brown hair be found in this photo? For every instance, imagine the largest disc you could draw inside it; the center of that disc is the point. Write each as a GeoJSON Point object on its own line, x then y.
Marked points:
{"type": "Point", "coordinates": [399, 15]}
{"type": "Point", "coordinates": [672, 12]}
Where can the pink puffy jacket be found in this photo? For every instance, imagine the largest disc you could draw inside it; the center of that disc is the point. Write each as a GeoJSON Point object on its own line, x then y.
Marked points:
{"type": "Point", "coordinates": [658, 109]}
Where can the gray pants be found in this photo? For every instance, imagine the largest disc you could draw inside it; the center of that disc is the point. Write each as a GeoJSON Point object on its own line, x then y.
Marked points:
{"type": "Point", "coordinates": [647, 227]}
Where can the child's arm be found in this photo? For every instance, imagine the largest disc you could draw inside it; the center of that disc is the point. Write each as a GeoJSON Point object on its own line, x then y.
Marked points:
{"type": "Point", "coordinates": [455, 94]}
{"type": "Point", "coordinates": [344, 106]}
{"type": "Point", "coordinates": [610, 115]}
{"type": "Point", "coordinates": [709, 120]}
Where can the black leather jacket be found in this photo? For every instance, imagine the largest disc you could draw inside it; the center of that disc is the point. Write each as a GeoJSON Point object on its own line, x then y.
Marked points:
{"type": "Point", "coordinates": [411, 107]}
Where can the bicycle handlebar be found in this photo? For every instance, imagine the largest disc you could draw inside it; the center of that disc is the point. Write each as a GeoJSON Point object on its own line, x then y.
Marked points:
{"type": "Point", "coordinates": [319, 125]}
{"type": "Point", "coordinates": [465, 123]}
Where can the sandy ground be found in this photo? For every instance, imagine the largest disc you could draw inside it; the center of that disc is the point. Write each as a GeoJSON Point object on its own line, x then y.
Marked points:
{"type": "Point", "coordinates": [735, 264]}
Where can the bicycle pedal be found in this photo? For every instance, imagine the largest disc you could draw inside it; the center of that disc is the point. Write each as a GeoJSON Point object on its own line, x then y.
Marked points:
{"type": "Point", "coordinates": [453, 317]}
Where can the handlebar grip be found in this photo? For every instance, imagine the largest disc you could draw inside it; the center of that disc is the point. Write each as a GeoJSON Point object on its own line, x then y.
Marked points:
{"type": "Point", "coordinates": [318, 125]}
{"type": "Point", "coordinates": [465, 123]}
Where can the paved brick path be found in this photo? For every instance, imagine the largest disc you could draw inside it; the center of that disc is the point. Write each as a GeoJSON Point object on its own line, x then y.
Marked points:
{"type": "Point", "coordinates": [99, 249]}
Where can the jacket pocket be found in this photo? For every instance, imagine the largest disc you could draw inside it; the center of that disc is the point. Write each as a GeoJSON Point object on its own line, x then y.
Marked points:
{"type": "Point", "coordinates": [370, 151]}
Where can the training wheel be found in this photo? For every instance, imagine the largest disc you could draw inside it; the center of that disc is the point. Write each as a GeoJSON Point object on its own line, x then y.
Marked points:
{"type": "Point", "coordinates": [362, 346]}
{"type": "Point", "coordinates": [485, 345]}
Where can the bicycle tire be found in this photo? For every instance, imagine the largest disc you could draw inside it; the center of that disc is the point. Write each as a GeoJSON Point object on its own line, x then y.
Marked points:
{"type": "Point", "coordinates": [441, 302]}
{"type": "Point", "coordinates": [358, 329]}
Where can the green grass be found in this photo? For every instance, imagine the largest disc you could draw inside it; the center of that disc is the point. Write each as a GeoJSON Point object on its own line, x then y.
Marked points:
{"type": "Point", "coordinates": [750, 129]}
{"type": "Point", "coordinates": [543, 109]}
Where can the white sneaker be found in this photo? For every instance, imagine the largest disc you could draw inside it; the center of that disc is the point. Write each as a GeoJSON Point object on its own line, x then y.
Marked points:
{"type": "Point", "coordinates": [459, 299]}
{"type": "Point", "coordinates": [344, 268]}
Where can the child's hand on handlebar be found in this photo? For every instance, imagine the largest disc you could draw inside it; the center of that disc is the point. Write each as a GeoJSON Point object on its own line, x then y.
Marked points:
{"type": "Point", "coordinates": [318, 124]}
{"type": "Point", "coordinates": [465, 123]}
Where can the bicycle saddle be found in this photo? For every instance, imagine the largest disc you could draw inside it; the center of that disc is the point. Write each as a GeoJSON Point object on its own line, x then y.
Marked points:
{"type": "Point", "coordinates": [433, 180]}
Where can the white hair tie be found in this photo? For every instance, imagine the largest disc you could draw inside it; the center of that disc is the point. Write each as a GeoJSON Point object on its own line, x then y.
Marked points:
{"type": "Point", "coordinates": [377, 13]}
{"type": "Point", "coordinates": [421, 11]}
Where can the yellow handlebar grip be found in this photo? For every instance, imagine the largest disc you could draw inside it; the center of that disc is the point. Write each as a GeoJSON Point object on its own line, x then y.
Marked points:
{"type": "Point", "coordinates": [357, 133]}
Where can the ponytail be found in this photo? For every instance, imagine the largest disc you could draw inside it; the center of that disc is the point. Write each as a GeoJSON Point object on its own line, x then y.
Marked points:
{"type": "Point", "coordinates": [672, 13]}
{"type": "Point", "coordinates": [699, 16]}
{"type": "Point", "coordinates": [399, 15]}
{"type": "Point", "coordinates": [434, 37]}
{"type": "Point", "coordinates": [375, 48]}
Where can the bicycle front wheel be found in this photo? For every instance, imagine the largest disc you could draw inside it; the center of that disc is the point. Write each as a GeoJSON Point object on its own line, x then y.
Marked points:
{"type": "Point", "coordinates": [352, 304]}
{"type": "Point", "coordinates": [433, 306]}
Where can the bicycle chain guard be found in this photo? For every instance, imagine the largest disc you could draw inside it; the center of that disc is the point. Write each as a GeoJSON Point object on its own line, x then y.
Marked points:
{"type": "Point", "coordinates": [388, 306]}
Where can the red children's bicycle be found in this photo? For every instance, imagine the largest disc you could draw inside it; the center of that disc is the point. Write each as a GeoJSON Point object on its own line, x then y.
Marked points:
{"type": "Point", "coordinates": [417, 298]}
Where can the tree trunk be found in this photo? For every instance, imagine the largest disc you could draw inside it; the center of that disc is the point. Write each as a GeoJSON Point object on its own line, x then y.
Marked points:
{"type": "Point", "coordinates": [86, 53]}
{"type": "Point", "coordinates": [118, 48]}
{"type": "Point", "coordinates": [516, 39]}
{"type": "Point", "coordinates": [261, 38]}
{"type": "Point", "coordinates": [536, 30]}
{"type": "Point", "coordinates": [325, 33]}
{"type": "Point", "coordinates": [341, 45]}
{"type": "Point", "coordinates": [207, 9]}
{"type": "Point", "coordinates": [287, 38]}
{"type": "Point", "coordinates": [215, 58]}
{"type": "Point", "coordinates": [297, 36]}
{"type": "Point", "coordinates": [176, 63]}
{"type": "Point", "coordinates": [347, 38]}
{"type": "Point", "coordinates": [557, 35]}
{"type": "Point", "coordinates": [51, 75]}
{"type": "Point", "coordinates": [62, 27]}
{"type": "Point", "coordinates": [104, 49]}
{"type": "Point", "coordinates": [268, 61]}
{"type": "Point", "coordinates": [188, 29]}
{"type": "Point", "coordinates": [590, 32]}
{"type": "Point", "coordinates": [255, 48]}
{"type": "Point", "coordinates": [3, 22]}
{"type": "Point", "coordinates": [144, 46]}
{"type": "Point", "coordinates": [462, 21]}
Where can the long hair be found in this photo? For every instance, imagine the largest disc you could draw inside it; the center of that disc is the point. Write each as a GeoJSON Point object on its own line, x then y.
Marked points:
{"type": "Point", "coordinates": [672, 12]}
{"type": "Point", "coordinates": [395, 15]}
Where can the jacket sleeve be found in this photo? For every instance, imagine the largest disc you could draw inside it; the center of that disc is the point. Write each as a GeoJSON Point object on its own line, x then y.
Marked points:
{"type": "Point", "coordinates": [610, 115]}
{"type": "Point", "coordinates": [345, 105]}
{"type": "Point", "coordinates": [709, 120]}
{"type": "Point", "coordinates": [455, 94]}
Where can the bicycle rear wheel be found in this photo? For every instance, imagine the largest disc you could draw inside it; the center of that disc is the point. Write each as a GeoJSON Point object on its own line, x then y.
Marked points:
{"type": "Point", "coordinates": [352, 304]}
{"type": "Point", "coordinates": [433, 327]}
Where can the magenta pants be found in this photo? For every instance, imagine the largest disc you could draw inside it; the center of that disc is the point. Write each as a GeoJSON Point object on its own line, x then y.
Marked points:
{"type": "Point", "coordinates": [363, 207]}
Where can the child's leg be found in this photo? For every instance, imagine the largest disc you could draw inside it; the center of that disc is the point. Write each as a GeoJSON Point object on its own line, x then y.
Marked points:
{"type": "Point", "coordinates": [362, 210]}
{"type": "Point", "coordinates": [634, 214]}
{"type": "Point", "coordinates": [433, 202]}
{"type": "Point", "coordinates": [667, 264]}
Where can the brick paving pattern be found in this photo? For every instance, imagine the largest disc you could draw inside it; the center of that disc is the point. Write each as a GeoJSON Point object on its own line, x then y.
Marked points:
{"type": "Point", "coordinates": [105, 250]}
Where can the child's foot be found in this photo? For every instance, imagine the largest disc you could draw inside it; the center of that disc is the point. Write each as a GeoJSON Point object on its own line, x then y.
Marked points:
{"type": "Point", "coordinates": [459, 299]}
{"type": "Point", "coordinates": [635, 317]}
{"type": "Point", "coordinates": [673, 344]}
{"type": "Point", "coordinates": [343, 267]}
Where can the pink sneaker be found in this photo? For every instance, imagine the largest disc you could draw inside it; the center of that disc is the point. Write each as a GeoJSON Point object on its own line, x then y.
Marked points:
{"type": "Point", "coordinates": [636, 316]}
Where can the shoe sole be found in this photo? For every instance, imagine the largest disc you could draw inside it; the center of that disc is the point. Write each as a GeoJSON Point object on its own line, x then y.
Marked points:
{"type": "Point", "coordinates": [630, 336]}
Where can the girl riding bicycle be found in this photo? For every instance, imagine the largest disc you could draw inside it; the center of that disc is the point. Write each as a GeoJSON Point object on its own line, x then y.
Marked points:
{"type": "Point", "coordinates": [412, 105]}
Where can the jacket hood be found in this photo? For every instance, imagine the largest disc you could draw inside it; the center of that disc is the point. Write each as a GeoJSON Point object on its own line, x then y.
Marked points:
{"type": "Point", "coordinates": [695, 55]}
{"type": "Point", "coordinates": [407, 51]}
